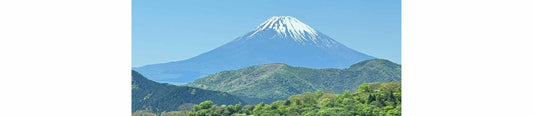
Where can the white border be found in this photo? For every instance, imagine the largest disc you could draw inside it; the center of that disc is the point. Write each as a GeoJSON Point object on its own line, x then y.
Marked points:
{"type": "Point", "coordinates": [460, 57]}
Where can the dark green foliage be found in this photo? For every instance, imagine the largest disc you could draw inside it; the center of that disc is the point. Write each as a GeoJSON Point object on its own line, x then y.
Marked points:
{"type": "Point", "coordinates": [143, 113]}
{"type": "Point", "coordinates": [378, 99]}
{"type": "Point", "coordinates": [157, 97]}
{"type": "Point", "coordinates": [271, 82]}
{"type": "Point", "coordinates": [174, 113]}
{"type": "Point", "coordinates": [207, 108]}
{"type": "Point", "coordinates": [186, 107]}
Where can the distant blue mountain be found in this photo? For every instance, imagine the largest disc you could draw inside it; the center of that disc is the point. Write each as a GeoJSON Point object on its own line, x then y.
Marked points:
{"type": "Point", "coordinates": [280, 39]}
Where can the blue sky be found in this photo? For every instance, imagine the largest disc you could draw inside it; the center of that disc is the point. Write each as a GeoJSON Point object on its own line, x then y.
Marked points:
{"type": "Point", "coordinates": [173, 30]}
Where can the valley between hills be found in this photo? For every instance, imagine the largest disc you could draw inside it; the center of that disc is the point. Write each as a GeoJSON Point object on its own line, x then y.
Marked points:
{"type": "Point", "coordinates": [276, 84]}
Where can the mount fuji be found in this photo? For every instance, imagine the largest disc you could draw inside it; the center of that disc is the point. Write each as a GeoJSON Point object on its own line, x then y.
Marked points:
{"type": "Point", "coordinates": [280, 39]}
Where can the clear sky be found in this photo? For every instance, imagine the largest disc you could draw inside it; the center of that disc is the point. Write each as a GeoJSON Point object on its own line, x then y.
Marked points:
{"type": "Point", "coordinates": [173, 30]}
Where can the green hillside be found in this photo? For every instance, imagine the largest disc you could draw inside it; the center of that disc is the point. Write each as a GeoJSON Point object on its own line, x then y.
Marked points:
{"type": "Point", "coordinates": [271, 82]}
{"type": "Point", "coordinates": [159, 97]}
{"type": "Point", "coordinates": [371, 99]}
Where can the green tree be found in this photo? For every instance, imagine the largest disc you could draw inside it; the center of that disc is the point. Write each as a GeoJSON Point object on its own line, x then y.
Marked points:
{"type": "Point", "coordinates": [378, 99]}
{"type": "Point", "coordinates": [174, 113]}
{"type": "Point", "coordinates": [206, 104]}
{"type": "Point", "coordinates": [319, 93]}
{"type": "Point", "coordinates": [143, 113]}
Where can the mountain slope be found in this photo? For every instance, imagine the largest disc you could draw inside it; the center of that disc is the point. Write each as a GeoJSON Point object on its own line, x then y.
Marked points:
{"type": "Point", "coordinates": [277, 81]}
{"type": "Point", "coordinates": [280, 39]}
{"type": "Point", "coordinates": [158, 97]}
{"type": "Point", "coordinates": [371, 99]}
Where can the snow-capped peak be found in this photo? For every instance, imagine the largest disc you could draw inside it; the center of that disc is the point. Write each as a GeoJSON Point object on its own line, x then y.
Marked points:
{"type": "Point", "coordinates": [287, 26]}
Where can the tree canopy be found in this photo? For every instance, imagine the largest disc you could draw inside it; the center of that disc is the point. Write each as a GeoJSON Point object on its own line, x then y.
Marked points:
{"type": "Point", "coordinates": [370, 99]}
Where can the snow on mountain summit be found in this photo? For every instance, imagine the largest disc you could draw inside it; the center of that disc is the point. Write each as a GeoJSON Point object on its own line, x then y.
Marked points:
{"type": "Point", "coordinates": [280, 39]}
{"type": "Point", "coordinates": [288, 27]}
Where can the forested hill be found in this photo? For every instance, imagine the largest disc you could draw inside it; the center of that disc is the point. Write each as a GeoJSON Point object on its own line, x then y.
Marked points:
{"type": "Point", "coordinates": [159, 97]}
{"type": "Point", "coordinates": [271, 82]}
{"type": "Point", "coordinates": [371, 99]}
